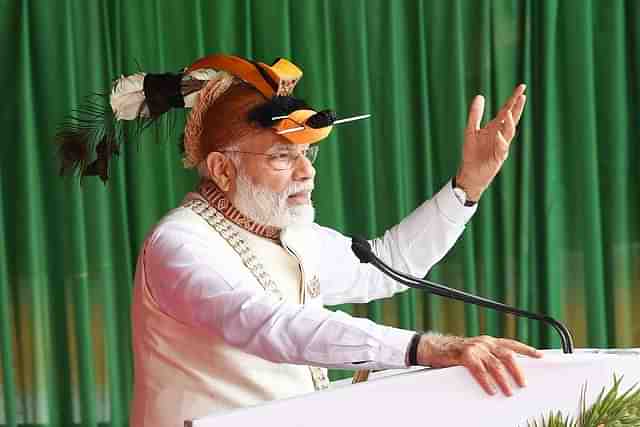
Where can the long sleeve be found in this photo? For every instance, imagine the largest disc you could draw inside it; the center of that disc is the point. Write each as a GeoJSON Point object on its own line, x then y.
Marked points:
{"type": "Point", "coordinates": [192, 282]}
{"type": "Point", "coordinates": [413, 246]}
{"type": "Point", "coordinates": [197, 286]}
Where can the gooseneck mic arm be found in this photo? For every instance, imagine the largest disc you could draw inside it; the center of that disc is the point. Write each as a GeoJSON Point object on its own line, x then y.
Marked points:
{"type": "Point", "coordinates": [362, 249]}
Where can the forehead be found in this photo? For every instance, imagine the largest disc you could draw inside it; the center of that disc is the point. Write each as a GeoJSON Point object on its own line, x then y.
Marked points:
{"type": "Point", "coordinates": [266, 142]}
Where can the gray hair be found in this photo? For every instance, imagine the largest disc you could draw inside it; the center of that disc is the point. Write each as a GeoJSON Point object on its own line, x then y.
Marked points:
{"type": "Point", "coordinates": [230, 153]}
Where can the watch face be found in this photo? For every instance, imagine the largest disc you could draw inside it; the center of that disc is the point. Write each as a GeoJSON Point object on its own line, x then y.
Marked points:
{"type": "Point", "coordinates": [460, 195]}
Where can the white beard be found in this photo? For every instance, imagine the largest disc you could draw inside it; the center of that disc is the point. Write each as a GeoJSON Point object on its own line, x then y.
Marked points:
{"type": "Point", "coordinates": [268, 207]}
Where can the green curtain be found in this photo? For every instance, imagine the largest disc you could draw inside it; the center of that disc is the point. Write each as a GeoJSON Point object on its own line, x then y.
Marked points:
{"type": "Point", "coordinates": [558, 232]}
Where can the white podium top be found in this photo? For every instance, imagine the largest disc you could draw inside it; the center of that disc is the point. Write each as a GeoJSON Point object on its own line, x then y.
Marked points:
{"type": "Point", "coordinates": [445, 396]}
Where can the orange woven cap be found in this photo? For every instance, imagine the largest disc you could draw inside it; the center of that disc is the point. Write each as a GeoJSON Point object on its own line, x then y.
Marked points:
{"type": "Point", "coordinates": [308, 135]}
{"type": "Point", "coordinates": [220, 118]}
{"type": "Point", "coordinates": [230, 98]}
{"type": "Point", "coordinates": [271, 80]}
{"type": "Point", "coordinates": [224, 123]}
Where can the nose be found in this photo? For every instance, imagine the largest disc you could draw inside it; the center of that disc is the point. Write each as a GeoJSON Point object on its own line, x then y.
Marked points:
{"type": "Point", "coordinates": [303, 169]}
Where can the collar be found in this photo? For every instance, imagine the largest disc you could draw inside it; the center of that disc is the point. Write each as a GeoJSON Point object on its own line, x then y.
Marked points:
{"type": "Point", "coordinates": [216, 198]}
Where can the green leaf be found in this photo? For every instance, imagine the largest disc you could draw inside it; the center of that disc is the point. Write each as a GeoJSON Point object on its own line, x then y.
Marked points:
{"type": "Point", "coordinates": [610, 409]}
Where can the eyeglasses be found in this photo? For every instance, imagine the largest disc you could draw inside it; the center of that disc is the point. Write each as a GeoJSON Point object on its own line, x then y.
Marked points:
{"type": "Point", "coordinates": [284, 160]}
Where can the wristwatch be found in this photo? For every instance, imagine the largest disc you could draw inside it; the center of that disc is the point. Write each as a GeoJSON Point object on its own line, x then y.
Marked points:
{"type": "Point", "coordinates": [461, 195]}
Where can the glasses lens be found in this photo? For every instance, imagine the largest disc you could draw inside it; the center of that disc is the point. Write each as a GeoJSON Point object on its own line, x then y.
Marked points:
{"type": "Point", "coordinates": [311, 153]}
{"type": "Point", "coordinates": [284, 161]}
{"type": "Point", "coordinates": [281, 161]}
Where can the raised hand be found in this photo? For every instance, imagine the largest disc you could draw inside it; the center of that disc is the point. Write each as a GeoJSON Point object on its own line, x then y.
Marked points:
{"type": "Point", "coordinates": [486, 148]}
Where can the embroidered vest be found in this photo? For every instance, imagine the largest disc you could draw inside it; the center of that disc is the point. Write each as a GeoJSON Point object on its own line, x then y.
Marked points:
{"type": "Point", "coordinates": [184, 373]}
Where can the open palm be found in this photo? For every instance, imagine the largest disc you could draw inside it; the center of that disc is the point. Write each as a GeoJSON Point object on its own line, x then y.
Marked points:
{"type": "Point", "coordinates": [486, 148]}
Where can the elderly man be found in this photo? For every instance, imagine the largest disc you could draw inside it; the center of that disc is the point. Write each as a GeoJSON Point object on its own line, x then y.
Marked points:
{"type": "Point", "coordinates": [230, 286]}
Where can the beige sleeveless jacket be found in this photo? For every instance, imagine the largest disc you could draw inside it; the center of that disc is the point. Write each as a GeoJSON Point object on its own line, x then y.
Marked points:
{"type": "Point", "coordinates": [183, 372]}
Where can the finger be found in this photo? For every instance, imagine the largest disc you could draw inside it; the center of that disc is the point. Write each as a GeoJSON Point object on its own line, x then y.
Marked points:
{"type": "Point", "coordinates": [509, 361]}
{"type": "Point", "coordinates": [502, 146]}
{"type": "Point", "coordinates": [496, 370]}
{"type": "Point", "coordinates": [508, 127]}
{"type": "Point", "coordinates": [511, 101]}
{"type": "Point", "coordinates": [518, 108]}
{"type": "Point", "coordinates": [475, 113]}
{"type": "Point", "coordinates": [518, 91]}
{"type": "Point", "coordinates": [520, 348]}
{"type": "Point", "coordinates": [479, 372]}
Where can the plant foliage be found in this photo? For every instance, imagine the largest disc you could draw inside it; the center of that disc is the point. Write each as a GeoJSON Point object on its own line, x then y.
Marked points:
{"type": "Point", "coordinates": [609, 410]}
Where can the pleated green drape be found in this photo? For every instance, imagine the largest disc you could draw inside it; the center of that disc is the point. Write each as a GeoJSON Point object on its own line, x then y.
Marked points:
{"type": "Point", "coordinates": [558, 232]}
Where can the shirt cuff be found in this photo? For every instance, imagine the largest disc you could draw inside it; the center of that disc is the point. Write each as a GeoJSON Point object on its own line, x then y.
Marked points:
{"type": "Point", "coordinates": [449, 205]}
{"type": "Point", "coordinates": [393, 354]}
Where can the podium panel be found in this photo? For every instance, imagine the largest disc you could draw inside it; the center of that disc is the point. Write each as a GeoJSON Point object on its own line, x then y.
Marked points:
{"type": "Point", "coordinates": [445, 396]}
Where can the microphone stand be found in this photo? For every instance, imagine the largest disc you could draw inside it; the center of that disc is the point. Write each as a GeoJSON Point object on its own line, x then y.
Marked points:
{"type": "Point", "coordinates": [362, 249]}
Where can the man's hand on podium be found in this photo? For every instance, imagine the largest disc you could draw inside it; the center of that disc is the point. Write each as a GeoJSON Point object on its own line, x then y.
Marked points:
{"type": "Point", "coordinates": [490, 360]}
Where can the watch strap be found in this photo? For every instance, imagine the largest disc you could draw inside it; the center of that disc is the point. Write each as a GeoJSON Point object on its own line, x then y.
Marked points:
{"type": "Point", "coordinates": [467, 202]}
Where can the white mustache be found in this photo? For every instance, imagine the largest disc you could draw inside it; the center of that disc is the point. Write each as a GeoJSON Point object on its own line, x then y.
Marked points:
{"type": "Point", "coordinates": [298, 188]}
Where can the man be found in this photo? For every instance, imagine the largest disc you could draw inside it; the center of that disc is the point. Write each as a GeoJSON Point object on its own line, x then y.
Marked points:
{"type": "Point", "coordinates": [230, 286]}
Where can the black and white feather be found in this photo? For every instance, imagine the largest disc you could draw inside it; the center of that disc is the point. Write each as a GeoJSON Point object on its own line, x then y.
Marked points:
{"type": "Point", "coordinates": [93, 134]}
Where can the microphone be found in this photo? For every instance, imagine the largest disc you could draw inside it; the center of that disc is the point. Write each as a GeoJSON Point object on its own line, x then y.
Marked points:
{"type": "Point", "coordinates": [362, 249]}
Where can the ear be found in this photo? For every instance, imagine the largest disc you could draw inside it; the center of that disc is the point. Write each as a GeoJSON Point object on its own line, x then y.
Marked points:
{"type": "Point", "coordinates": [222, 171]}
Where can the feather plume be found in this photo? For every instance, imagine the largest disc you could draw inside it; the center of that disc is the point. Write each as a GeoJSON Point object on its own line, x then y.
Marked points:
{"type": "Point", "coordinates": [73, 152]}
{"type": "Point", "coordinates": [127, 98]}
{"type": "Point", "coordinates": [98, 125]}
{"type": "Point", "coordinates": [321, 119]}
{"type": "Point", "coordinates": [83, 130]}
{"type": "Point", "coordinates": [275, 107]}
{"type": "Point", "coordinates": [105, 150]}
{"type": "Point", "coordinates": [94, 127]}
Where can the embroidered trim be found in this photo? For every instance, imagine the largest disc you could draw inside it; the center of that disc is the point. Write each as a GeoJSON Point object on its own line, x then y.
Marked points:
{"type": "Point", "coordinates": [219, 202]}
{"type": "Point", "coordinates": [222, 226]}
{"type": "Point", "coordinates": [313, 287]}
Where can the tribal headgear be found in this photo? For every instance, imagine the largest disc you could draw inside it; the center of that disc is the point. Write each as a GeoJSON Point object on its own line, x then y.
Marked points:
{"type": "Point", "coordinates": [230, 97]}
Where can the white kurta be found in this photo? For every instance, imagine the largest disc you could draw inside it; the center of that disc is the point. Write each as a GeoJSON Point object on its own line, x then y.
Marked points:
{"type": "Point", "coordinates": [207, 337]}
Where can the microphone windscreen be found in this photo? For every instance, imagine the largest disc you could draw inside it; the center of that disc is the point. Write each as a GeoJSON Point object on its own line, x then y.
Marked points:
{"type": "Point", "coordinates": [362, 249]}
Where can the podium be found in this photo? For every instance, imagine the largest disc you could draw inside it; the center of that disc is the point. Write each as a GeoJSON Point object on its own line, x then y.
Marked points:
{"type": "Point", "coordinates": [446, 397]}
